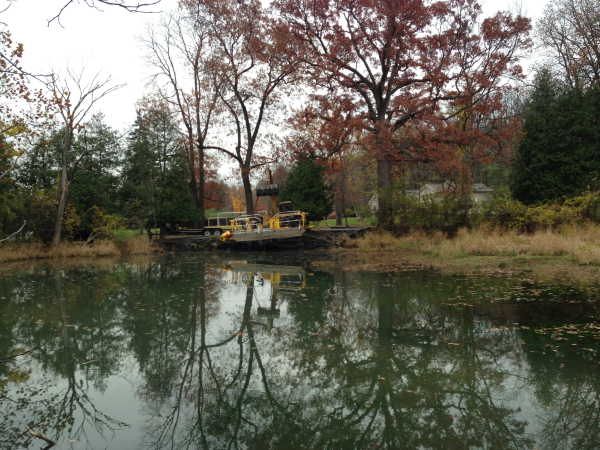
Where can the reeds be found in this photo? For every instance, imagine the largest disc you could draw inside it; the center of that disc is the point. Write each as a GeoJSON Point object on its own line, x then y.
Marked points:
{"type": "Point", "coordinates": [581, 245]}
{"type": "Point", "coordinates": [133, 246]}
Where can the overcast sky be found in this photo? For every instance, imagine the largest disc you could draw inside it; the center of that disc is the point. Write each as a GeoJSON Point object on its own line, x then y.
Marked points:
{"type": "Point", "coordinates": [107, 41]}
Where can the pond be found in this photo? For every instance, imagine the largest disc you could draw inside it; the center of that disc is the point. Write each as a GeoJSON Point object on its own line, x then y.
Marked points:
{"type": "Point", "coordinates": [306, 351]}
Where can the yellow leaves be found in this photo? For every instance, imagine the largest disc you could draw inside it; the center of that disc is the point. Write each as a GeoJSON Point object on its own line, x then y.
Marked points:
{"type": "Point", "coordinates": [238, 200]}
{"type": "Point", "coordinates": [16, 130]}
{"type": "Point", "coordinates": [71, 220]}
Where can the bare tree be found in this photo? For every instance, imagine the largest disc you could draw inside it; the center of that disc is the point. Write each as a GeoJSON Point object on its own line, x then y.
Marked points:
{"type": "Point", "coordinates": [178, 51]}
{"type": "Point", "coordinates": [73, 97]}
{"type": "Point", "coordinates": [569, 31]}
{"type": "Point", "coordinates": [251, 69]}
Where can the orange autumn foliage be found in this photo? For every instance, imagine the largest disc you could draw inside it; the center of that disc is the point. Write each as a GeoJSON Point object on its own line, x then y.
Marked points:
{"type": "Point", "coordinates": [238, 199]}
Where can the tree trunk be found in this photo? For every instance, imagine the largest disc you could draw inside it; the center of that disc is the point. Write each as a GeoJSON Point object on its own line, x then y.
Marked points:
{"type": "Point", "coordinates": [467, 190]}
{"type": "Point", "coordinates": [247, 191]}
{"type": "Point", "coordinates": [200, 187]}
{"type": "Point", "coordinates": [197, 180]}
{"type": "Point", "coordinates": [337, 208]}
{"type": "Point", "coordinates": [343, 196]}
{"type": "Point", "coordinates": [64, 189]}
{"type": "Point", "coordinates": [467, 205]}
{"type": "Point", "coordinates": [194, 187]}
{"type": "Point", "coordinates": [149, 231]}
{"type": "Point", "coordinates": [385, 218]}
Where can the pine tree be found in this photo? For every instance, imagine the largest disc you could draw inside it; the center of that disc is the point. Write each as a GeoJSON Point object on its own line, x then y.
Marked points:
{"type": "Point", "coordinates": [560, 154]}
{"type": "Point", "coordinates": [307, 187]}
{"type": "Point", "coordinates": [154, 187]}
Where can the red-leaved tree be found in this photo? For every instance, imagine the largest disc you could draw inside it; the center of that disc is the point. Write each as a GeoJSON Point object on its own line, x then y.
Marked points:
{"type": "Point", "coordinates": [326, 131]}
{"type": "Point", "coordinates": [403, 63]}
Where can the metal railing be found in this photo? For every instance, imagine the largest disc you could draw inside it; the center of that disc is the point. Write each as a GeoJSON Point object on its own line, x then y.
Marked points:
{"type": "Point", "coordinates": [252, 223]}
{"type": "Point", "coordinates": [247, 223]}
{"type": "Point", "coordinates": [290, 219]}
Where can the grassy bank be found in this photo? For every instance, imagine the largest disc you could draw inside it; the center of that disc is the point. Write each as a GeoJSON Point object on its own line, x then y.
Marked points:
{"type": "Point", "coordinates": [138, 245]}
{"type": "Point", "coordinates": [486, 245]}
{"type": "Point", "coordinates": [352, 222]}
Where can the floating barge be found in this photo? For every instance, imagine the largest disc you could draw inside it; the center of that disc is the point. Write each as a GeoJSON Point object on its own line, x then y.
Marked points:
{"type": "Point", "coordinates": [284, 222]}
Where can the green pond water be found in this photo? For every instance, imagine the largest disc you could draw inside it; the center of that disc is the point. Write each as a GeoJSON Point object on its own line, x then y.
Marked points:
{"type": "Point", "coordinates": [272, 351]}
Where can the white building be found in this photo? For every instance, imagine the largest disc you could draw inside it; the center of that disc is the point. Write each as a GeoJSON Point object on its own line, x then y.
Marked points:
{"type": "Point", "coordinates": [480, 193]}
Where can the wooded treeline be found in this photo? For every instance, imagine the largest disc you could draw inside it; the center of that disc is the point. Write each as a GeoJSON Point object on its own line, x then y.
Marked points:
{"type": "Point", "coordinates": [372, 91]}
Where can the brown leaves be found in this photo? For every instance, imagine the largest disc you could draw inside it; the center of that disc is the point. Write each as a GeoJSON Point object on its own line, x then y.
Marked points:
{"type": "Point", "coordinates": [411, 77]}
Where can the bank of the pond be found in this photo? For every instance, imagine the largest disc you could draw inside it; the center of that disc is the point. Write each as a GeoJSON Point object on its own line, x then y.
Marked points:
{"type": "Point", "coordinates": [30, 251]}
{"type": "Point", "coordinates": [484, 247]}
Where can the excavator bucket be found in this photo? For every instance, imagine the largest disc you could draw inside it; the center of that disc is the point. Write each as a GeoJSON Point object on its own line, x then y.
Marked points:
{"type": "Point", "coordinates": [267, 190]}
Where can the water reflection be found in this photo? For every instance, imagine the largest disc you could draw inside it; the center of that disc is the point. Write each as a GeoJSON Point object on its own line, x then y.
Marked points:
{"type": "Point", "coordinates": [278, 277]}
{"type": "Point", "coordinates": [211, 353]}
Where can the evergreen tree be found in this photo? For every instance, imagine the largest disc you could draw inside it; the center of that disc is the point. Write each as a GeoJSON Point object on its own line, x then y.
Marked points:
{"type": "Point", "coordinates": [40, 167]}
{"type": "Point", "coordinates": [97, 180]}
{"type": "Point", "coordinates": [307, 187]}
{"type": "Point", "coordinates": [11, 205]}
{"type": "Point", "coordinates": [154, 188]}
{"type": "Point", "coordinates": [560, 154]}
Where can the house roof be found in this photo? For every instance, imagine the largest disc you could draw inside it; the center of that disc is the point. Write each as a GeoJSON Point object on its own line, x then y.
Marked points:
{"type": "Point", "coordinates": [437, 187]}
{"type": "Point", "coordinates": [480, 187]}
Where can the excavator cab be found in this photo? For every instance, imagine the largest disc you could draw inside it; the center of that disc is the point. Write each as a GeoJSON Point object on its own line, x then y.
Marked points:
{"type": "Point", "coordinates": [285, 207]}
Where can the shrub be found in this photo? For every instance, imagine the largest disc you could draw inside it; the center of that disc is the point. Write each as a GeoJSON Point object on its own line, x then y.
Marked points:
{"type": "Point", "coordinates": [441, 211]}
{"type": "Point", "coordinates": [444, 212]}
{"type": "Point", "coordinates": [506, 213]}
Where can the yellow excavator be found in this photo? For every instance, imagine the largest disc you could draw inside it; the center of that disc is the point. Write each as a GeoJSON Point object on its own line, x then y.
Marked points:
{"type": "Point", "coordinates": [283, 222]}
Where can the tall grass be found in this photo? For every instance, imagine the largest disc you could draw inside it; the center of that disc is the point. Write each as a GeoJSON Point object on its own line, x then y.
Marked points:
{"type": "Point", "coordinates": [581, 245]}
{"type": "Point", "coordinates": [139, 245]}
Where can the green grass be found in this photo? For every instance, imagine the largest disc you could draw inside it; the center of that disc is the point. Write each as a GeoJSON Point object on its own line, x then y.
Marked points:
{"type": "Point", "coordinates": [123, 234]}
{"type": "Point", "coordinates": [352, 221]}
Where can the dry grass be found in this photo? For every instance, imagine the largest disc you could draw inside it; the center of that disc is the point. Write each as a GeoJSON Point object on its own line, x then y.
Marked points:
{"type": "Point", "coordinates": [139, 246]}
{"type": "Point", "coordinates": [578, 245]}
{"type": "Point", "coordinates": [134, 246]}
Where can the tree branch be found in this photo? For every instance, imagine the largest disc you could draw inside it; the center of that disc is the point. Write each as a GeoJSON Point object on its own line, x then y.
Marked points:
{"type": "Point", "coordinates": [132, 8]}
{"type": "Point", "coordinates": [3, 360]}
{"type": "Point", "coordinates": [11, 167]}
{"type": "Point", "coordinates": [6, 239]}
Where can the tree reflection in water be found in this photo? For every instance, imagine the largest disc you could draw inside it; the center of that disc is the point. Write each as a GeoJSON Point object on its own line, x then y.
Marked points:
{"type": "Point", "coordinates": [224, 354]}
{"type": "Point", "coordinates": [50, 386]}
